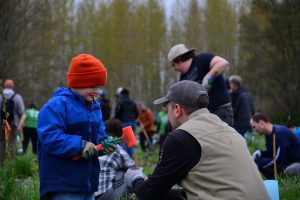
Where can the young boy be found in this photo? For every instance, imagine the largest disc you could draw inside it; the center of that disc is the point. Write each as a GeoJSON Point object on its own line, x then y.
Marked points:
{"type": "Point", "coordinates": [69, 124]}
{"type": "Point", "coordinates": [113, 167]}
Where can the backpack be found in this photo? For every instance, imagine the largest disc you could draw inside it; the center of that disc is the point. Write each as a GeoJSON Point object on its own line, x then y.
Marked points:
{"type": "Point", "coordinates": [10, 106]}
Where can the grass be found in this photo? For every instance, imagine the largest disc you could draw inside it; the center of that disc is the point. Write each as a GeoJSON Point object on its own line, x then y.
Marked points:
{"type": "Point", "coordinates": [19, 179]}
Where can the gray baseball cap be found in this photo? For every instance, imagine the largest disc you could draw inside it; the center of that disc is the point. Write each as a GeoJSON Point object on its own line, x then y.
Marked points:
{"type": "Point", "coordinates": [184, 92]}
{"type": "Point", "coordinates": [178, 50]}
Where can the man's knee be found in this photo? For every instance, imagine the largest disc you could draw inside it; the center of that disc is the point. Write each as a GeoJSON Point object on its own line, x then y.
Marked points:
{"type": "Point", "coordinates": [293, 170]}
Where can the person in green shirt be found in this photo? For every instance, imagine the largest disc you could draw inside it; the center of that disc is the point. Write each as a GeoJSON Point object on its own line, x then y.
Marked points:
{"type": "Point", "coordinates": [162, 122]}
{"type": "Point", "coordinates": [29, 123]}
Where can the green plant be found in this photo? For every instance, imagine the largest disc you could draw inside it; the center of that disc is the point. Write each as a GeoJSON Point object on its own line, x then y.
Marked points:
{"type": "Point", "coordinates": [284, 119]}
{"type": "Point", "coordinates": [289, 188]}
{"type": "Point", "coordinates": [23, 167]}
{"type": "Point", "coordinates": [19, 179]}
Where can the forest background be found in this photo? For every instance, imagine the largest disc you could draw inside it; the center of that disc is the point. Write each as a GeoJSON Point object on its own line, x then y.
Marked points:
{"type": "Point", "coordinates": [260, 39]}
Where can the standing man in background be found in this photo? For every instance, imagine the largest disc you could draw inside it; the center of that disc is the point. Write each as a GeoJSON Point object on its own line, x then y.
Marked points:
{"type": "Point", "coordinates": [242, 105]}
{"type": "Point", "coordinates": [104, 104]}
{"type": "Point", "coordinates": [162, 122]}
{"type": "Point", "coordinates": [15, 108]}
{"type": "Point", "coordinates": [146, 121]}
{"type": "Point", "coordinates": [206, 69]}
{"type": "Point", "coordinates": [126, 111]}
{"type": "Point", "coordinates": [29, 124]}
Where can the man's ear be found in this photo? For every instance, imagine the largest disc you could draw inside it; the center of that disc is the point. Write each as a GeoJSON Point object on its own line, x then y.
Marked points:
{"type": "Point", "coordinates": [178, 110]}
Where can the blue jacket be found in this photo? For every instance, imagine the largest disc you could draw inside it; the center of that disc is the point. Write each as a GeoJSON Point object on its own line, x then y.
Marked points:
{"type": "Point", "coordinates": [63, 122]}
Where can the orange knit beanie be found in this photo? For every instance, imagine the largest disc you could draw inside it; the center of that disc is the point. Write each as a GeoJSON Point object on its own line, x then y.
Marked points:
{"type": "Point", "coordinates": [86, 71]}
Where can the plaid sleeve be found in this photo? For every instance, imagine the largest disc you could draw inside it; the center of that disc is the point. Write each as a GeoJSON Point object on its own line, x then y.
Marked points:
{"type": "Point", "coordinates": [125, 160]}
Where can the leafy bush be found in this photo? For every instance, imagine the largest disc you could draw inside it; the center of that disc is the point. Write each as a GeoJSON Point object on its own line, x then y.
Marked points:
{"type": "Point", "coordinates": [285, 120]}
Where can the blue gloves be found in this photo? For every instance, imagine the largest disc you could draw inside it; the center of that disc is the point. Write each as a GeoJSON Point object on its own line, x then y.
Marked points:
{"type": "Point", "coordinates": [207, 82]}
{"type": "Point", "coordinates": [132, 175]}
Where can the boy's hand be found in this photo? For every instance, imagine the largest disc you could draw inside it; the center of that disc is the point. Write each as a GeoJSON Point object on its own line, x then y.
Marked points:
{"type": "Point", "coordinates": [89, 150]}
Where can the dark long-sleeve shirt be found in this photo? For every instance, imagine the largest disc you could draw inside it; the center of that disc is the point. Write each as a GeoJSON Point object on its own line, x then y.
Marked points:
{"type": "Point", "coordinates": [179, 154]}
{"type": "Point", "coordinates": [242, 107]}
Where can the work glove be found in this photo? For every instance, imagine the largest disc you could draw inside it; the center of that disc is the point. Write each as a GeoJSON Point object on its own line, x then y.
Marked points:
{"type": "Point", "coordinates": [207, 82]}
{"type": "Point", "coordinates": [89, 149]}
{"type": "Point", "coordinates": [108, 145]}
{"type": "Point", "coordinates": [256, 154]}
{"type": "Point", "coordinates": [132, 175]}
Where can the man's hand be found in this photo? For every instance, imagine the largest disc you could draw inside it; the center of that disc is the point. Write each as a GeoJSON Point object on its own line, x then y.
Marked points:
{"type": "Point", "coordinates": [132, 175]}
{"type": "Point", "coordinates": [207, 82]}
{"type": "Point", "coordinates": [108, 145]}
{"type": "Point", "coordinates": [89, 150]}
{"type": "Point", "coordinates": [256, 154]}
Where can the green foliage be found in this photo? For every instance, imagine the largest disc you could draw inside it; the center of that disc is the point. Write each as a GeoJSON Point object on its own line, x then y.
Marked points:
{"type": "Point", "coordinates": [19, 179]}
{"type": "Point", "coordinates": [269, 48]}
{"type": "Point", "coordinates": [23, 167]}
{"type": "Point", "coordinates": [285, 120]}
{"type": "Point", "coordinates": [132, 38]}
{"type": "Point", "coordinates": [255, 141]}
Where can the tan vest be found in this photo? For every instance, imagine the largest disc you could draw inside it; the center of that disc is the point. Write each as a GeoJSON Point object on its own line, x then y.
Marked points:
{"type": "Point", "coordinates": [226, 169]}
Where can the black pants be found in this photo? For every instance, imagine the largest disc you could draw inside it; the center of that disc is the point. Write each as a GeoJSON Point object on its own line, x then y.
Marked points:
{"type": "Point", "coordinates": [144, 143]}
{"type": "Point", "coordinates": [268, 172]}
{"type": "Point", "coordinates": [225, 113]}
{"type": "Point", "coordinates": [30, 134]}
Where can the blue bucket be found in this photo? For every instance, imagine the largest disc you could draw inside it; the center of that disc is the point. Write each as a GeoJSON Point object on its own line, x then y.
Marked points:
{"type": "Point", "coordinates": [272, 189]}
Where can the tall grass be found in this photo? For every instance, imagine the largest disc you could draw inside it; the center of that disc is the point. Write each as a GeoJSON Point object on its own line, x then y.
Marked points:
{"type": "Point", "coordinates": [18, 179]}
{"type": "Point", "coordinates": [289, 188]}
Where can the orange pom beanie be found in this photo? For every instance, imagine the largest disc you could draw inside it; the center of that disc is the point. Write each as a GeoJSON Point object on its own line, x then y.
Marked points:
{"type": "Point", "coordinates": [86, 71]}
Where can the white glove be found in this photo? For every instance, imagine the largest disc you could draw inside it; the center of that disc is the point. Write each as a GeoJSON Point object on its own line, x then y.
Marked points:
{"type": "Point", "coordinates": [207, 82]}
{"type": "Point", "coordinates": [133, 174]}
{"type": "Point", "coordinates": [89, 150]}
{"type": "Point", "coordinates": [256, 154]}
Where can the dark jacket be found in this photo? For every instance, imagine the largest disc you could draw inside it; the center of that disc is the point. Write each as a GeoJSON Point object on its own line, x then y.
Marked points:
{"type": "Point", "coordinates": [63, 122]}
{"type": "Point", "coordinates": [105, 108]}
{"type": "Point", "coordinates": [242, 107]}
{"type": "Point", "coordinates": [126, 109]}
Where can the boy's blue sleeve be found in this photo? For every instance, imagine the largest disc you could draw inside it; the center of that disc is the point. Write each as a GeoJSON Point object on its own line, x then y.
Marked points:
{"type": "Point", "coordinates": [51, 132]}
{"type": "Point", "coordinates": [102, 134]}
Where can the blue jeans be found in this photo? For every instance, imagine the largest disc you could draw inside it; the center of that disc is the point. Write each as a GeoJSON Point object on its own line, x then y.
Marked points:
{"type": "Point", "coordinates": [73, 196]}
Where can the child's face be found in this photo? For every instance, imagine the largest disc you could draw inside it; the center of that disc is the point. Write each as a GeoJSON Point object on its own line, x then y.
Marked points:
{"type": "Point", "coordinates": [88, 94]}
